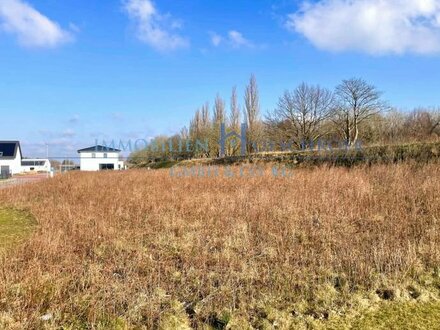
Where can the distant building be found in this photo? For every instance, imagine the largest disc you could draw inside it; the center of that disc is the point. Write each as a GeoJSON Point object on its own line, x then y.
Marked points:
{"type": "Point", "coordinates": [10, 158]}
{"type": "Point", "coordinates": [35, 165]}
{"type": "Point", "coordinates": [98, 158]}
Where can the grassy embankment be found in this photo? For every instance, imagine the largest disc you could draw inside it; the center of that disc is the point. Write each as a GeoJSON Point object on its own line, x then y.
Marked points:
{"type": "Point", "coordinates": [389, 154]}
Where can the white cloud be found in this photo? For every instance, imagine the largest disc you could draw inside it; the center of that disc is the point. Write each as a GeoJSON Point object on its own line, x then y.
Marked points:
{"type": "Point", "coordinates": [237, 40]}
{"type": "Point", "coordinates": [154, 28]}
{"type": "Point", "coordinates": [233, 39]}
{"type": "Point", "coordinates": [32, 28]}
{"type": "Point", "coordinates": [371, 26]}
{"type": "Point", "coordinates": [216, 39]}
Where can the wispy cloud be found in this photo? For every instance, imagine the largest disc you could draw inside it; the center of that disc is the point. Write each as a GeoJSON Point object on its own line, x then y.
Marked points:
{"type": "Point", "coordinates": [216, 39]}
{"type": "Point", "coordinates": [61, 143]}
{"type": "Point", "coordinates": [31, 28]}
{"type": "Point", "coordinates": [233, 39]}
{"type": "Point", "coordinates": [371, 26]}
{"type": "Point", "coordinates": [57, 135]}
{"type": "Point", "coordinates": [238, 40]}
{"type": "Point", "coordinates": [68, 133]}
{"type": "Point", "coordinates": [154, 28]}
{"type": "Point", "coordinates": [74, 119]}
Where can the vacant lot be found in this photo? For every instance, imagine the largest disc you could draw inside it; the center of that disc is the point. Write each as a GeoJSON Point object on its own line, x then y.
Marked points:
{"type": "Point", "coordinates": [141, 249]}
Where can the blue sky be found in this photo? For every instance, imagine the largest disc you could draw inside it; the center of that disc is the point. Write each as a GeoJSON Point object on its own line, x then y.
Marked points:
{"type": "Point", "coordinates": [73, 71]}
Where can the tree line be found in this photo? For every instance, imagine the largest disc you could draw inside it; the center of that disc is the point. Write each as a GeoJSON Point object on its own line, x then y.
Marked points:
{"type": "Point", "coordinates": [355, 110]}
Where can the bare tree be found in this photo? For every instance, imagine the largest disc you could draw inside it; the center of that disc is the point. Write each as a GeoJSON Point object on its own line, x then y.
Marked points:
{"type": "Point", "coordinates": [252, 111]}
{"type": "Point", "coordinates": [219, 110]}
{"type": "Point", "coordinates": [184, 133]}
{"type": "Point", "coordinates": [394, 126]}
{"type": "Point", "coordinates": [234, 117]}
{"type": "Point", "coordinates": [300, 114]}
{"type": "Point", "coordinates": [219, 117]}
{"type": "Point", "coordinates": [357, 102]}
{"type": "Point", "coordinates": [205, 117]}
{"type": "Point", "coordinates": [200, 128]}
{"type": "Point", "coordinates": [234, 122]}
{"type": "Point", "coordinates": [436, 121]}
{"type": "Point", "coordinates": [422, 123]}
{"type": "Point", "coordinates": [195, 126]}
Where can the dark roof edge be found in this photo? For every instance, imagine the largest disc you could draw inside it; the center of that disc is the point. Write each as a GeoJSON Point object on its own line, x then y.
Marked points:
{"type": "Point", "coordinates": [17, 143]}
{"type": "Point", "coordinates": [99, 148]}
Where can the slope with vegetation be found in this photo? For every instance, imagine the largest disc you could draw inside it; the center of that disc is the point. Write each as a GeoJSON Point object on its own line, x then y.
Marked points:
{"type": "Point", "coordinates": [355, 111]}
{"type": "Point", "coordinates": [384, 154]}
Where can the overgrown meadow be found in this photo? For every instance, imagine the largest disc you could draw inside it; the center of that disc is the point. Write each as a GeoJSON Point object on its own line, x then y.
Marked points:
{"type": "Point", "coordinates": [141, 249]}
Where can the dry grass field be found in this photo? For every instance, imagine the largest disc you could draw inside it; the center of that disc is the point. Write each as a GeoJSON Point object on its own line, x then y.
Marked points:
{"type": "Point", "coordinates": [141, 249]}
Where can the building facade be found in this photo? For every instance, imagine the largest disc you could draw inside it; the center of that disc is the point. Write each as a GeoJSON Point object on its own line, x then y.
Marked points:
{"type": "Point", "coordinates": [99, 158]}
{"type": "Point", "coordinates": [35, 165]}
{"type": "Point", "coordinates": [10, 158]}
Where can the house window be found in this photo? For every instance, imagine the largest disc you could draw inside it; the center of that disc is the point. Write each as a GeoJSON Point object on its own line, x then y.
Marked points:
{"type": "Point", "coordinates": [93, 155]}
{"type": "Point", "coordinates": [105, 155]}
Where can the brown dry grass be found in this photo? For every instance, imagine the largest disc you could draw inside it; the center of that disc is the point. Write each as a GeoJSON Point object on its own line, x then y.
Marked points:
{"type": "Point", "coordinates": [143, 249]}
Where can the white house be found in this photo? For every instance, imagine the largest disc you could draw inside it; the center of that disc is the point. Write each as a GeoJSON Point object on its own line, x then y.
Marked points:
{"type": "Point", "coordinates": [10, 158]}
{"type": "Point", "coordinates": [35, 165]}
{"type": "Point", "coordinates": [99, 158]}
